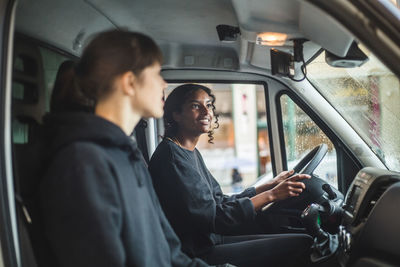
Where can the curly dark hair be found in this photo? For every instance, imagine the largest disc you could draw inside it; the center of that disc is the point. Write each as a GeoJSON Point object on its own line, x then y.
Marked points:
{"type": "Point", "coordinates": [174, 103]}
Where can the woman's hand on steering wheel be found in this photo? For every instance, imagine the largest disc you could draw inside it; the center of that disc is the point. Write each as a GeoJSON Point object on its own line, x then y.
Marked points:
{"type": "Point", "coordinates": [274, 182]}
{"type": "Point", "coordinates": [288, 187]}
{"type": "Point", "coordinates": [306, 165]}
{"type": "Point", "coordinates": [282, 177]}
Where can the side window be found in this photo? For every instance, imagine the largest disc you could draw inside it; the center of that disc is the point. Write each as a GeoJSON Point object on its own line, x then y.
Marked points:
{"type": "Point", "coordinates": [241, 152]}
{"type": "Point", "coordinates": [27, 91]}
{"type": "Point", "coordinates": [301, 135]}
{"type": "Point", "coordinates": [34, 73]}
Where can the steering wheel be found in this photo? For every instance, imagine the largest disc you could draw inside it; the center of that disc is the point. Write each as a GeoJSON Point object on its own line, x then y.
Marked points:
{"type": "Point", "coordinates": [313, 190]}
{"type": "Point", "coordinates": [311, 161]}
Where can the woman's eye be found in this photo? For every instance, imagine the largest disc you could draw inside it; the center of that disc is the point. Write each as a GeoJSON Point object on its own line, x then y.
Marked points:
{"type": "Point", "coordinates": [195, 106]}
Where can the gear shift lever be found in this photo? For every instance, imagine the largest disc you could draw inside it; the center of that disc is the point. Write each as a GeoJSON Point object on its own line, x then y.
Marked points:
{"type": "Point", "coordinates": [311, 220]}
{"type": "Point", "coordinates": [325, 244]}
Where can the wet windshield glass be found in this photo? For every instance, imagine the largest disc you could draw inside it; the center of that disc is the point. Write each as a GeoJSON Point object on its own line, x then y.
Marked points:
{"type": "Point", "coordinates": [368, 97]}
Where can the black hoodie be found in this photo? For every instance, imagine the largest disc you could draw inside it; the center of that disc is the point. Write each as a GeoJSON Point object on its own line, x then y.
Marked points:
{"type": "Point", "coordinates": [97, 200]}
{"type": "Point", "coordinates": [193, 200]}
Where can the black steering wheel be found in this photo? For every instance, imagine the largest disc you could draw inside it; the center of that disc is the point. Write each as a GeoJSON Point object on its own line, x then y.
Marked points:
{"type": "Point", "coordinates": [311, 161]}
{"type": "Point", "coordinates": [313, 190]}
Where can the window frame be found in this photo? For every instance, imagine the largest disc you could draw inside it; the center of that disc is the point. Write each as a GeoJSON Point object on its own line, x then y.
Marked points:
{"type": "Point", "coordinates": [14, 244]}
{"type": "Point", "coordinates": [9, 243]}
{"type": "Point", "coordinates": [341, 151]}
{"type": "Point", "coordinates": [268, 111]}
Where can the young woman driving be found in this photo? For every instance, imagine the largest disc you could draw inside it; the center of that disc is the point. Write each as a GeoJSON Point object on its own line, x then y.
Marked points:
{"type": "Point", "coordinates": [203, 217]}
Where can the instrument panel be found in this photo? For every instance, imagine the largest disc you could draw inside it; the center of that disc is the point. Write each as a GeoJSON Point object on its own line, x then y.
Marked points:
{"type": "Point", "coordinates": [364, 192]}
{"type": "Point", "coordinates": [369, 228]}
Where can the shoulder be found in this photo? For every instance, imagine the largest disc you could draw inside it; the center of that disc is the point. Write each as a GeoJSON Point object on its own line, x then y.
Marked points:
{"type": "Point", "coordinates": [197, 152]}
{"type": "Point", "coordinates": [81, 149]}
{"type": "Point", "coordinates": [79, 166]}
{"type": "Point", "coordinates": [170, 157]}
{"type": "Point", "coordinates": [81, 156]}
{"type": "Point", "coordinates": [165, 151]}
{"type": "Point", "coordinates": [199, 156]}
{"type": "Point", "coordinates": [168, 150]}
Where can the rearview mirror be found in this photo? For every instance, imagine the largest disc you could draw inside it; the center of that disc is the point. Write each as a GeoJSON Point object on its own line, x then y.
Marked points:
{"type": "Point", "coordinates": [354, 58]}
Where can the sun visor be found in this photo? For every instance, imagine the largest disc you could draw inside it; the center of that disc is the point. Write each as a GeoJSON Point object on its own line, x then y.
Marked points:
{"type": "Point", "coordinates": [199, 56]}
{"type": "Point", "coordinates": [324, 30]}
{"type": "Point", "coordinates": [268, 16]}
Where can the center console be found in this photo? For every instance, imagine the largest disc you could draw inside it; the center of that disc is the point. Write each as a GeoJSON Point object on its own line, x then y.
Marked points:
{"type": "Point", "coordinates": [366, 189]}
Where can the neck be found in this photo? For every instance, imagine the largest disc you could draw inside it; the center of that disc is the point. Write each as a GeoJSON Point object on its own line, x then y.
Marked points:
{"type": "Point", "coordinates": [187, 141]}
{"type": "Point", "coordinates": [119, 113]}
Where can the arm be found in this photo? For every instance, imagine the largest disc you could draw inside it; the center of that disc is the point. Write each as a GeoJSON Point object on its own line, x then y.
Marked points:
{"type": "Point", "coordinates": [265, 193]}
{"type": "Point", "coordinates": [189, 203]}
{"type": "Point", "coordinates": [274, 182]}
{"type": "Point", "coordinates": [81, 210]}
{"type": "Point", "coordinates": [248, 192]}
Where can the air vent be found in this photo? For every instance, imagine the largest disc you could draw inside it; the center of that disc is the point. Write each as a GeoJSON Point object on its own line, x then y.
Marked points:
{"type": "Point", "coordinates": [374, 198]}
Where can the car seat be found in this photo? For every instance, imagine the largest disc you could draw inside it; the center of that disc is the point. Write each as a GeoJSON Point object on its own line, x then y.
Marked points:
{"type": "Point", "coordinates": [28, 108]}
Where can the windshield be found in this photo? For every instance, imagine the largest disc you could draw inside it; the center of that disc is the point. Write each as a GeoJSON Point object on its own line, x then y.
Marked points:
{"type": "Point", "coordinates": [368, 97]}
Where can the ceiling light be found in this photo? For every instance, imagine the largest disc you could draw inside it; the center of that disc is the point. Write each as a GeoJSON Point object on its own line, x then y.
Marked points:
{"type": "Point", "coordinates": [271, 38]}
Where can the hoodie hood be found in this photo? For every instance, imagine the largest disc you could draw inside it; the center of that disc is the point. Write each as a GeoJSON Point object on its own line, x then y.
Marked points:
{"type": "Point", "coordinates": [65, 128]}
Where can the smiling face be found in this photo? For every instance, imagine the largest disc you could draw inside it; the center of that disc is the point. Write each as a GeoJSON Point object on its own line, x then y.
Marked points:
{"type": "Point", "coordinates": [196, 115]}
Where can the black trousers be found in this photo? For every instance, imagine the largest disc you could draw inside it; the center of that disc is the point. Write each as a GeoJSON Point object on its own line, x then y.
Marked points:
{"type": "Point", "coordinates": [261, 250]}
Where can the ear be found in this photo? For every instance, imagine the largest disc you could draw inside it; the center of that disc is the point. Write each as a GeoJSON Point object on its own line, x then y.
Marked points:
{"type": "Point", "coordinates": [128, 83]}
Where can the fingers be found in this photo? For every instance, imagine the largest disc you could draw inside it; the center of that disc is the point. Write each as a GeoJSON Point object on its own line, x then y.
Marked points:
{"type": "Point", "coordinates": [288, 188]}
{"type": "Point", "coordinates": [284, 175]}
{"type": "Point", "coordinates": [287, 173]}
{"type": "Point", "coordinates": [299, 177]}
{"type": "Point", "coordinates": [294, 194]}
{"type": "Point", "coordinates": [296, 190]}
{"type": "Point", "coordinates": [296, 185]}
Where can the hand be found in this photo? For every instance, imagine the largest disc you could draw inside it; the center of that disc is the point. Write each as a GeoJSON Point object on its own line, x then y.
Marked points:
{"type": "Point", "coordinates": [281, 177]}
{"type": "Point", "coordinates": [274, 182]}
{"type": "Point", "coordinates": [289, 187]}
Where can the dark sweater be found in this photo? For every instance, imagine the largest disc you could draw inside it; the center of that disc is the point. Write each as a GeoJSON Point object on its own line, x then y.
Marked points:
{"type": "Point", "coordinates": [97, 200]}
{"type": "Point", "coordinates": [193, 200]}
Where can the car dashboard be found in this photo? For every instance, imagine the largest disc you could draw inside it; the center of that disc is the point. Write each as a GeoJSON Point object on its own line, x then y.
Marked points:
{"type": "Point", "coordinates": [369, 234]}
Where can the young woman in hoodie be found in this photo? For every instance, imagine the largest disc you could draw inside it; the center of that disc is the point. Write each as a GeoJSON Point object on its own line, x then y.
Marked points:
{"type": "Point", "coordinates": [97, 204]}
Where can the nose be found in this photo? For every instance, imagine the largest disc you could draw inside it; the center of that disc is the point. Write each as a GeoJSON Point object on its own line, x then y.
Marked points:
{"type": "Point", "coordinates": [205, 110]}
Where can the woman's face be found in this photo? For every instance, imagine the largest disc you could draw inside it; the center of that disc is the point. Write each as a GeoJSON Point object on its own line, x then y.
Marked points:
{"type": "Point", "coordinates": [197, 114]}
{"type": "Point", "coordinates": [149, 100]}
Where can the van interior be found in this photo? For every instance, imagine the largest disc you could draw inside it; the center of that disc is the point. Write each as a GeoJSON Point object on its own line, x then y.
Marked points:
{"type": "Point", "coordinates": [273, 65]}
